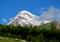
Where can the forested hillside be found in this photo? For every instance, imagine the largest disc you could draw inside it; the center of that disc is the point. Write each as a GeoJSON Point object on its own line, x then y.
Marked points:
{"type": "Point", "coordinates": [43, 33]}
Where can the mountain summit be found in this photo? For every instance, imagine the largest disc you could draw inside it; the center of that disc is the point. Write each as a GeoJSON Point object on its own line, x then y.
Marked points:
{"type": "Point", "coordinates": [24, 18]}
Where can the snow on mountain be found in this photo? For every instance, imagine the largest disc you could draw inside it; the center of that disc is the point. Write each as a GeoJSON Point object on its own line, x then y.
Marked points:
{"type": "Point", "coordinates": [26, 18]}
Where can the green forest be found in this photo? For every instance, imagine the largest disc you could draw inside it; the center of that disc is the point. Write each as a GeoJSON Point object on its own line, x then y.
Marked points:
{"type": "Point", "coordinates": [43, 33]}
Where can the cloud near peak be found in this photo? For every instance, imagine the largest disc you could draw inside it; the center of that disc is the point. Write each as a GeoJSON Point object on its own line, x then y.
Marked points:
{"type": "Point", "coordinates": [51, 14]}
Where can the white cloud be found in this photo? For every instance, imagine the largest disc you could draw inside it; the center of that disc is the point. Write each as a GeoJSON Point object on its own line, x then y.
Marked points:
{"type": "Point", "coordinates": [51, 14]}
{"type": "Point", "coordinates": [4, 20]}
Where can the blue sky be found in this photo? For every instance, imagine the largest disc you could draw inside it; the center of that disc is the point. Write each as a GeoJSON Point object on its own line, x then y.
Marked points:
{"type": "Point", "coordinates": [10, 8]}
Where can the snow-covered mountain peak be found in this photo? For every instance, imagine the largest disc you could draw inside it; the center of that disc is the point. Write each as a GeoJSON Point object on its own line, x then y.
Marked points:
{"type": "Point", "coordinates": [26, 18]}
{"type": "Point", "coordinates": [24, 12]}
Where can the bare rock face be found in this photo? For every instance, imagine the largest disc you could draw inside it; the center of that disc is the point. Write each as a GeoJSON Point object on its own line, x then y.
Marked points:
{"type": "Point", "coordinates": [58, 25]}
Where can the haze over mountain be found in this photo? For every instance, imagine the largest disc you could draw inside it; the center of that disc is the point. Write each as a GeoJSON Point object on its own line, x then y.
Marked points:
{"type": "Point", "coordinates": [26, 18]}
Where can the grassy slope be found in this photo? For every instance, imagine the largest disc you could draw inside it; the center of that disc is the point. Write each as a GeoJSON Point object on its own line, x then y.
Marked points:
{"type": "Point", "coordinates": [5, 39]}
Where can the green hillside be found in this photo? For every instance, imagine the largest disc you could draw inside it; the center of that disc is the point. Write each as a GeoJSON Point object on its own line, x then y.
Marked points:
{"type": "Point", "coordinates": [6, 39]}
{"type": "Point", "coordinates": [43, 33]}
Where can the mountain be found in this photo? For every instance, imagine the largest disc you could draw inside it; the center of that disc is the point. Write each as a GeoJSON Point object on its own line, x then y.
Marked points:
{"type": "Point", "coordinates": [26, 18]}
